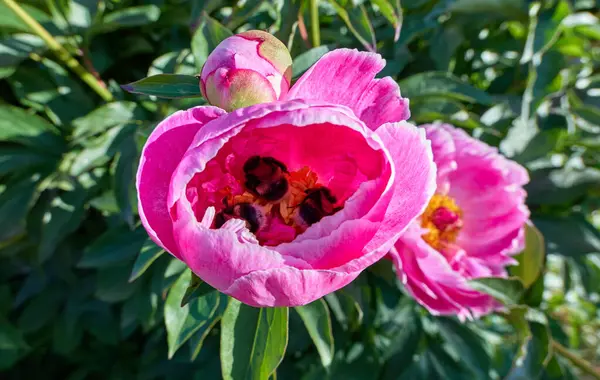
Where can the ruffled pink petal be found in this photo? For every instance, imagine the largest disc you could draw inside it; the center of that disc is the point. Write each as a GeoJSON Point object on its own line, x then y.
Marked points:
{"type": "Point", "coordinates": [346, 77]}
{"type": "Point", "coordinates": [488, 188]}
{"type": "Point", "coordinates": [414, 179]}
{"type": "Point", "coordinates": [287, 286]}
{"type": "Point", "coordinates": [429, 277]}
{"type": "Point", "coordinates": [160, 156]}
{"type": "Point", "coordinates": [330, 253]}
{"type": "Point", "coordinates": [444, 152]}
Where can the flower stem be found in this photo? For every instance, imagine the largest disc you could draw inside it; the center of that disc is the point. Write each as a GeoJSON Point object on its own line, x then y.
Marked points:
{"type": "Point", "coordinates": [59, 50]}
{"type": "Point", "coordinates": [580, 363]}
{"type": "Point", "coordinates": [315, 32]}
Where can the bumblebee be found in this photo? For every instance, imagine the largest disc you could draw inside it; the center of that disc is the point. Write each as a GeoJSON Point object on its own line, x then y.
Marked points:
{"type": "Point", "coordinates": [317, 204]}
{"type": "Point", "coordinates": [252, 214]}
{"type": "Point", "coordinates": [266, 178]}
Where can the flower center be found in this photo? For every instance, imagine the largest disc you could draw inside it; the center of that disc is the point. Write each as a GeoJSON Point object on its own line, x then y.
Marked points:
{"type": "Point", "coordinates": [276, 204]}
{"type": "Point", "coordinates": [442, 219]}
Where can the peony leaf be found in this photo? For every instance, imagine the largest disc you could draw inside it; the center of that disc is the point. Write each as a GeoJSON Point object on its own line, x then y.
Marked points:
{"type": "Point", "coordinates": [149, 253]}
{"type": "Point", "coordinates": [206, 38]}
{"type": "Point", "coordinates": [506, 290]}
{"type": "Point", "coordinates": [442, 84]}
{"type": "Point", "coordinates": [166, 86]}
{"type": "Point", "coordinates": [183, 322]}
{"type": "Point", "coordinates": [531, 260]}
{"type": "Point", "coordinates": [253, 341]}
{"type": "Point", "coordinates": [305, 60]}
{"type": "Point", "coordinates": [318, 323]}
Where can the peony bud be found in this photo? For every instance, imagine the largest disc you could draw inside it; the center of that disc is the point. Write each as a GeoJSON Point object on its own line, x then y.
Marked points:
{"type": "Point", "coordinates": [246, 69]}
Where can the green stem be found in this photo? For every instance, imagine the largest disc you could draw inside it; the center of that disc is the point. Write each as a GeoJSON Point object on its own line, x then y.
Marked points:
{"type": "Point", "coordinates": [580, 363]}
{"type": "Point", "coordinates": [59, 50]}
{"type": "Point", "coordinates": [315, 32]}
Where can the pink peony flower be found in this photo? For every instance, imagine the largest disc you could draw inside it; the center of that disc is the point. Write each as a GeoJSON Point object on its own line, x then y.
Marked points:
{"type": "Point", "coordinates": [471, 228]}
{"type": "Point", "coordinates": [249, 68]}
{"type": "Point", "coordinates": [278, 204]}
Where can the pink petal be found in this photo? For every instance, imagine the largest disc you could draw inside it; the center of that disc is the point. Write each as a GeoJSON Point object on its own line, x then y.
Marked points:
{"type": "Point", "coordinates": [434, 283]}
{"type": "Point", "coordinates": [287, 286]}
{"type": "Point", "coordinates": [399, 178]}
{"type": "Point", "coordinates": [414, 179]}
{"type": "Point", "coordinates": [346, 77]}
{"type": "Point", "coordinates": [444, 152]}
{"type": "Point", "coordinates": [161, 155]}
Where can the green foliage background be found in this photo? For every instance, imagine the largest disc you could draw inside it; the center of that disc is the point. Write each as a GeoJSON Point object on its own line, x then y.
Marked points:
{"type": "Point", "coordinates": [85, 294]}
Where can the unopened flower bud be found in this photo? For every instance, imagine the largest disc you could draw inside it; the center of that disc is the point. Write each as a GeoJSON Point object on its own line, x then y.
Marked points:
{"type": "Point", "coordinates": [249, 68]}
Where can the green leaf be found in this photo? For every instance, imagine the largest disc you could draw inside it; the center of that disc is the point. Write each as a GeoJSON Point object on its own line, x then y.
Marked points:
{"type": "Point", "coordinates": [206, 38]}
{"type": "Point", "coordinates": [49, 88]}
{"type": "Point", "coordinates": [128, 18]}
{"type": "Point", "coordinates": [196, 288]}
{"type": "Point", "coordinates": [544, 28]}
{"type": "Point", "coordinates": [305, 60]}
{"type": "Point", "coordinates": [391, 10]}
{"type": "Point", "coordinates": [10, 337]}
{"type": "Point", "coordinates": [404, 342]}
{"type": "Point", "coordinates": [105, 117]}
{"type": "Point", "coordinates": [166, 86]}
{"type": "Point", "coordinates": [63, 216]}
{"type": "Point", "coordinates": [502, 8]}
{"type": "Point", "coordinates": [443, 85]}
{"type": "Point", "coordinates": [40, 310]}
{"type": "Point", "coordinates": [468, 346]}
{"type": "Point", "coordinates": [561, 186]}
{"type": "Point", "coordinates": [149, 253]}
{"type": "Point", "coordinates": [16, 125]}
{"type": "Point", "coordinates": [535, 354]}
{"type": "Point", "coordinates": [242, 12]}
{"type": "Point", "coordinates": [253, 341]}
{"type": "Point", "coordinates": [17, 47]}
{"type": "Point", "coordinates": [197, 340]}
{"type": "Point", "coordinates": [182, 322]}
{"type": "Point", "coordinates": [15, 201]}
{"type": "Point", "coordinates": [114, 246]}
{"type": "Point", "coordinates": [112, 285]}
{"type": "Point", "coordinates": [506, 290]}
{"type": "Point", "coordinates": [318, 323]}
{"type": "Point", "coordinates": [9, 20]}
{"type": "Point", "coordinates": [123, 175]}
{"type": "Point", "coordinates": [17, 159]}
{"type": "Point", "coordinates": [531, 260]}
{"type": "Point", "coordinates": [570, 236]}
{"type": "Point", "coordinates": [357, 20]}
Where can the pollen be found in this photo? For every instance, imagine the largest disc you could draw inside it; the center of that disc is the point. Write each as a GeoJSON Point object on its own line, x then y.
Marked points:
{"type": "Point", "coordinates": [443, 221]}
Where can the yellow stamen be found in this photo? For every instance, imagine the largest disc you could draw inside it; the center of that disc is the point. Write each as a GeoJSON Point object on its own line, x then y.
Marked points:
{"type": "Point", "coordinates": [440, 235]}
